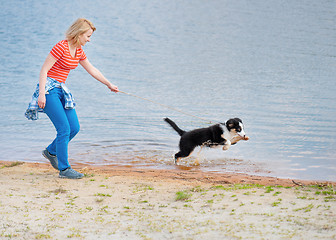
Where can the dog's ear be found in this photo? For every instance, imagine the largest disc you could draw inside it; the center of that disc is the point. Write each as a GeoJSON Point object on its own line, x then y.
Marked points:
{"type": "Point", "coordinates": [230, 123]}
{"type": "Point", "coordinates": [238, 119]}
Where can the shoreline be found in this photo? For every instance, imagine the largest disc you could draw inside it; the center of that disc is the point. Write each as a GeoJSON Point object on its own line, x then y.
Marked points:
{"type": "Point", "coordinates": [129, 203]}
{"type": "Point", "coordinates": [192, 176]}
{"type": "Point", "coordinates": [201, 177]}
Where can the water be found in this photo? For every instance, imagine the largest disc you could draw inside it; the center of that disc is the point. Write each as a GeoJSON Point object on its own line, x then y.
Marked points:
{"type": "Point", "coordinates": [271, 63]}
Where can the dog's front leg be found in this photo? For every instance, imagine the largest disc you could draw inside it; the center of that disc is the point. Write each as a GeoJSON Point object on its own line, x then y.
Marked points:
{"type": "Point", "coordinates": [227, 145]}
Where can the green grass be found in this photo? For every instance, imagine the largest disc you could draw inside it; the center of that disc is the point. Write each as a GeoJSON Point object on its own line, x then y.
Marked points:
{"type": "Point", "coordinates": [306, 209]}
{"type": "Point", "coordinates": [182, 196]}
{"type": "Point", "coordinates": [14, 164]}
{"type": "Point", "coordinates": [237, 187]}
{"type": "Point", "coordinates": [103, 195]}
{"type": "Point", "coordinates": [269, 189]}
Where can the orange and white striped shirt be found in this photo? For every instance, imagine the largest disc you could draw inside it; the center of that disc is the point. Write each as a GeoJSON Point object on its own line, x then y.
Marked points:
{"type": "Point", "coordinates": [64, 61]}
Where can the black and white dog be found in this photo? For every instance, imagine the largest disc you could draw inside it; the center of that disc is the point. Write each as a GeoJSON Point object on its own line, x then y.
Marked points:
{"type": "Point", "coordinates": [216, 135]}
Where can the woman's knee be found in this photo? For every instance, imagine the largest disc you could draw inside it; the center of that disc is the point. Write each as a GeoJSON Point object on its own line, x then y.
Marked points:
{"type": "Point", "coordinates": [73, 122]}
{"type": "Point", "coordinates": [63, 130]}
{"type": "Point", "coordinates": [74, 130]}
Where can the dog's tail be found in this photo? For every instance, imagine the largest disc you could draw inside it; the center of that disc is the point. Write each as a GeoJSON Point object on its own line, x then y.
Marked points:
{"type": "Point", "coordinates": [174, 126]}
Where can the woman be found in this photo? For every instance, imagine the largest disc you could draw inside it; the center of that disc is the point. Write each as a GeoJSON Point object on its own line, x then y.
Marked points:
{"type": "Point", "coordinates": [54, 98]}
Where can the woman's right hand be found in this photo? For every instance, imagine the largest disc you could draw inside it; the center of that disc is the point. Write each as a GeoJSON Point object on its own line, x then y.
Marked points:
{"type": "Point", "coordinates": [47, 65]}
{"type": "Point", "coordinates": [41, 101]}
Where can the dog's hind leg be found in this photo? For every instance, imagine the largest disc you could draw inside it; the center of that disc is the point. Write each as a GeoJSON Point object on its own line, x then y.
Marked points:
{"type": "Point", "coordinates": [182, 154]}
{"type": "Point", "coordinates": [177, 157]}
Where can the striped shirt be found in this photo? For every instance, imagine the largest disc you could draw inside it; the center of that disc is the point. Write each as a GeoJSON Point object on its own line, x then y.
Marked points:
{"type": "Point", "coordinates": [64, 61]}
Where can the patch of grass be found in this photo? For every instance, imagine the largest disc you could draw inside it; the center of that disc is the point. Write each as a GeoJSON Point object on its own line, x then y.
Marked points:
{"type": "Point", "coordinates": [182, 196]}
{"type": "Point", "coordinates": [104, 209]}
{"type": "Point", "coordinates": [269, 189]}
{"type": "Point", "coordinates": [219, 187]}
{"type": "Point", "coordinates": [42, 236]}
{"type": "Point", "coordinates": [327, 191]}
{"type": "Point", "coordinates": [329, 198]}
{"type": "Point", "coordinates": [198, 189]}
{"type": "Point", "coordinates": [13, 164]}
{"type": "Point", "coordinates": [142, 188]}
{"type": "Point", "coordinates": [71, 203]}
{"type": "Point", "coordinates": [58, 191]}
{"type": "Point", "coordinates": [88, 175]}
{"type": "Point", "coordinates": [74, 235]}
{"type": "Point", "coordinates": [149, 188]}
{"type": "Point", "coordinates": [103, 195]}
{"type": "Point", "coordinates": [306, 209]}
{"type": "Point", "coordinates": [237, 187]}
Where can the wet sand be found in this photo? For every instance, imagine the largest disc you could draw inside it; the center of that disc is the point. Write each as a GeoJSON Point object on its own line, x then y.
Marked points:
{"type": "Point", "coordinates": [130, 203]}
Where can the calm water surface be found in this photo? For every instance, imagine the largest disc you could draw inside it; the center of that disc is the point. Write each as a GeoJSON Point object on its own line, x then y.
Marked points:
{"type": "Point", "coordinates": [271, 63]}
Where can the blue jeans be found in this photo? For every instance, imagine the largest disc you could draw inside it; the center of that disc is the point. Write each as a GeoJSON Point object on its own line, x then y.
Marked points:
{"type": "Point", "coordinates": [66, 124]}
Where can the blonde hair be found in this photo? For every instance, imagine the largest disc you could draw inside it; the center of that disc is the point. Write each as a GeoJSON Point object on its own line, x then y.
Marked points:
{"type": "Point", "coordinates": [80, 26]}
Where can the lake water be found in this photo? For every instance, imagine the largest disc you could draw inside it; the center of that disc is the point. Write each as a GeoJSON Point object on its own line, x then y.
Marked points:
{"type": "Point", "coordinates": [271, 63]}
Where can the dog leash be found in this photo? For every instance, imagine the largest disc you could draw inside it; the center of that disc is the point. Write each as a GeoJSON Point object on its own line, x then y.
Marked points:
{"type": "Point", "coordinates": [171, 108]}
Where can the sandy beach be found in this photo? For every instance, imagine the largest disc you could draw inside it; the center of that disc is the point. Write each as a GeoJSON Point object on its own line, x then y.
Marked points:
{"type": "Point", "coordinates": [127, 203]}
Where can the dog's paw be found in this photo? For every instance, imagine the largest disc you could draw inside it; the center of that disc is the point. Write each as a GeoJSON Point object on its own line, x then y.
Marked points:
{"type": "Point", "coordinates": [246, 138]}
{"type": "Point", "coordinates": [196, 163]}
{"type": "Point", "coordinates": [226, 147]}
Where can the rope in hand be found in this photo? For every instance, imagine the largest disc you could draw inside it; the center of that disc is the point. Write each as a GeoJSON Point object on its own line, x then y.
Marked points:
{"type": "Point", "coordinates": [171, 108]}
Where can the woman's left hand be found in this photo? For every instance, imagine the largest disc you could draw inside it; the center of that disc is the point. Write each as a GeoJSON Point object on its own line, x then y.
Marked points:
{"type": "Point", "coordinates": [112, 87]}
